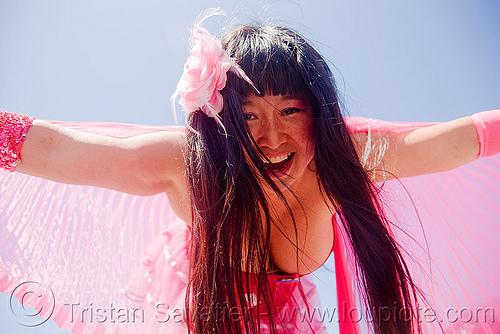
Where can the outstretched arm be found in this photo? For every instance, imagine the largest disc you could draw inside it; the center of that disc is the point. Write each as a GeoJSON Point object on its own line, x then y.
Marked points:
{"type": "Point", "coordinates": [427, 149]}
{"type": "Point", "coordinates": [140, 165]}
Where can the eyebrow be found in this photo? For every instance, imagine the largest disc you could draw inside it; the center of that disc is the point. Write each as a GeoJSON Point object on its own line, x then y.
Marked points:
{"type": "Point", "coordinates": [286, 97]}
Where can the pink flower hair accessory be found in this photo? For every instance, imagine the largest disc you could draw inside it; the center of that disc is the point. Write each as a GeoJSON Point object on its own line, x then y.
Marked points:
{"type": "Point", "coordinates": [205, 72]}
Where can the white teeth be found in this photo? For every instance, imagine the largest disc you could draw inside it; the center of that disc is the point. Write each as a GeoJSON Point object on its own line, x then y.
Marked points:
{"type": "Point", "coordinates": [278, 158]}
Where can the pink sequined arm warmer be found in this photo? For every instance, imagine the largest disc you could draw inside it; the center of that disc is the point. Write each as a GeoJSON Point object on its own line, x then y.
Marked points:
{"type": "Point", "coordinates": [13, 129]}
{"type": "Point", "coordinates": [488, 131]}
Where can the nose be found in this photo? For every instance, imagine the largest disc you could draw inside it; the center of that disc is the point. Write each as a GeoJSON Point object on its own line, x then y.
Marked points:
{"type": "Point", "coordinates": [272, 134]}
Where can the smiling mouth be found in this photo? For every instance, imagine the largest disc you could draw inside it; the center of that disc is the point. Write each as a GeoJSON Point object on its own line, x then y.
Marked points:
{"type": "Point", "coordinates": [279, 164]}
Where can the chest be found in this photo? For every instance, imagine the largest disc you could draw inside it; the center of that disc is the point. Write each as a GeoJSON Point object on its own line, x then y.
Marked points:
{"type": "Point", "coordinates": [302, 244]}
{"type": "Point", "coordinates": [299, 245]}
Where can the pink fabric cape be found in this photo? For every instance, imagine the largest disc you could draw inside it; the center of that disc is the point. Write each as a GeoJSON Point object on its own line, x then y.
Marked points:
{"type": "Point", "coordinates": [81, 247]}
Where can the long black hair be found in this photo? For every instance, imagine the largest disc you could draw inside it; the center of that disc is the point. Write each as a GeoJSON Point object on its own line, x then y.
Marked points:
{"type": "Point", "coordinates": [231, 220]}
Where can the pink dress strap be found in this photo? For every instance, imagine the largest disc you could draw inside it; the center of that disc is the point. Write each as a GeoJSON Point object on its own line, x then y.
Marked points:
{"type": "Point", "coordinates": [345, 286]}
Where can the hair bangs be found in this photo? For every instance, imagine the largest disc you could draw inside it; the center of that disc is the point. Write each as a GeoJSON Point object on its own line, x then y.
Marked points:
{"type": "Point", "coordinates": [271, 58]}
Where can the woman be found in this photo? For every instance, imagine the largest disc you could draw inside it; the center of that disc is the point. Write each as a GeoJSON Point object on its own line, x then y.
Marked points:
{"type": "Point", "coordinates": [266, 161]}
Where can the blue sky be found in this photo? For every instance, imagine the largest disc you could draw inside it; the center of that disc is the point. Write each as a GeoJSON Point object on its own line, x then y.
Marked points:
{"type": "Point", "coordinates": [119, 61]}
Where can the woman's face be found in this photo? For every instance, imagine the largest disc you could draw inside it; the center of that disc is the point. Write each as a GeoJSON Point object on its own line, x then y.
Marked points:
{"type": "Point", "coordinates": [282, 128]}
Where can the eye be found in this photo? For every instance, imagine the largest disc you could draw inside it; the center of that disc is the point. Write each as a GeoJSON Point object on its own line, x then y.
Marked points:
{"type": "Point", "coordinates": [293, 110]}
{"type": "Point", "coordinates": [249, 116]}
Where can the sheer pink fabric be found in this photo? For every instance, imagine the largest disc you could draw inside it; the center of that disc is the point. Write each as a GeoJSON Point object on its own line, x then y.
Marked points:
{"type": "Point", "coordinates": [109, 257]}
{"type": "Point", "coordinates": [159, 286]}
{"type": "Point", "coordinates": [449, 225]}
{"type": "Point", "coordinates": [108, 261]}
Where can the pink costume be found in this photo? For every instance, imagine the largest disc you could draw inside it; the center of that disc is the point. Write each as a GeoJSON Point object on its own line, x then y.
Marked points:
{"type": "Point", "coordinates": [114, 263]}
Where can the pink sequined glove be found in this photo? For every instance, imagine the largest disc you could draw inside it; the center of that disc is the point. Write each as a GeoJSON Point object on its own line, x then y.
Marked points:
{"type": "Point", "coordinates": [13, 129]}
{"type": "Point", "coordinates": [488, 131]}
